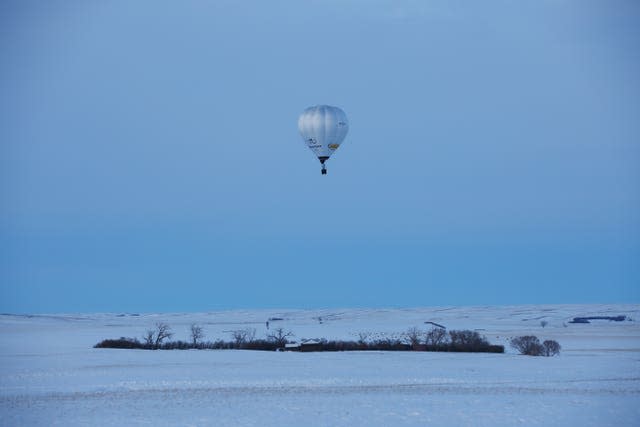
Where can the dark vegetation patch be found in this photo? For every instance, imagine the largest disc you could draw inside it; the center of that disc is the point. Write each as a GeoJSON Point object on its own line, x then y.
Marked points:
{"type": "Point", "coordinates": [609, 318]}
{"type": "Point", "coordinates": [322, 345]}
{"type": "Point", "coordinates": [437, 339]}
{"type": "Point", "coordinates": [530, 345]}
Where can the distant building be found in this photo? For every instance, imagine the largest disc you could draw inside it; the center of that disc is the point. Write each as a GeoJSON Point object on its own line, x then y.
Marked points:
{"type": "Point", "coordinates": [304, 346]}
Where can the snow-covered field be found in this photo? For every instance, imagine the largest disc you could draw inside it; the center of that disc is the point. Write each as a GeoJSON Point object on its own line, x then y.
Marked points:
{"type": "Point", "coordinates": [51, 375]}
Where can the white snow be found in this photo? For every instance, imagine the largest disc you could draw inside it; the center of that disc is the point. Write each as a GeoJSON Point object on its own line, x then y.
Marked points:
{"type": "Point", "coordinates": [51, 375]}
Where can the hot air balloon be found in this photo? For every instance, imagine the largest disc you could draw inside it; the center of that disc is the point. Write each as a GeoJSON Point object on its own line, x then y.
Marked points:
{"type": "Point", "coordinates": [323, 129]}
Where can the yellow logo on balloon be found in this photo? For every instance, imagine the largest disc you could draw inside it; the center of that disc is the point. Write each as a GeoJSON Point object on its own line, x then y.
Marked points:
{"type": "Point", "coordinates": [334, 146]}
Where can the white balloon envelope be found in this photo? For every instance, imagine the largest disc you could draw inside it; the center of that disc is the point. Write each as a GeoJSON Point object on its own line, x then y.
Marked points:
{"type": "Point", "coordinates": [323, 129]}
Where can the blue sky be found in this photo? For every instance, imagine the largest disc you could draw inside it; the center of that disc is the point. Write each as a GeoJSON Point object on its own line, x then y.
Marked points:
{"type": "Point", "coordinates": [150, 160]}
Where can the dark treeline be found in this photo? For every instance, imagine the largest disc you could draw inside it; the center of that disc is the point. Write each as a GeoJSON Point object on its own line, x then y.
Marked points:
{"type": "Point", "coordinates": [454, 341]}
{"type": "Point", "coordinates": [323, 345]}
{"type": "Point", "coordinates": [530, 345]}
{"type": "Point", "coordinates": [610, 318]}
{"type": "Point", "coordinates": [134, 343]}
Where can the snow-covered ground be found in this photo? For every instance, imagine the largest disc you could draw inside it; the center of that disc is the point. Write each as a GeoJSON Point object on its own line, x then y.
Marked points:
{"type": "Point", "coordinates": [51, 375]}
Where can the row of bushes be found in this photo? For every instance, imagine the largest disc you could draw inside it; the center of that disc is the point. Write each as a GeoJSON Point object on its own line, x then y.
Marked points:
{"type": "Point", "coordinates": [134, 343]}
{"type": "Point", "coordinates": [385, 345]}
{"type": "Point", "coordinates": [530, 345]}
{"type": "Point", "coordinates": [435, 340]}
{"type": "Point", "coordinates": [322, 345]}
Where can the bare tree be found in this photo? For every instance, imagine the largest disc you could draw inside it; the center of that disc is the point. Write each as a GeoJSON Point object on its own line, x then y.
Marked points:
{"type": "Point", "coordinates": [413, 335]}
{"type": "Point", "coordinates": [163, 331]}
{"type": "Point", "coordinates": [280, 336]}
{"type": "Point", "coordinates": [466, 337]}
{"type": "Point", "coordinates": [436, 336]}
{"type": "Point", "coordinates": [551, 348]}
{"type": "Point", "coordinates": [197, 333]}
{"type": "Point", "coordinates": [242, 336]}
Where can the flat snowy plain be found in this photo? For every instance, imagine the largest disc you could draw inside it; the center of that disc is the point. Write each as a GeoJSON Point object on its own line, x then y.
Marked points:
{"type": "Point", "coordinates": [51, 375]}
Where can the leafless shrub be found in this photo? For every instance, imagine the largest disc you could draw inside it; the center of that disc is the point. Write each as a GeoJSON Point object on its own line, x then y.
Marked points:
{"type": "Point", "coordinates": [413, 336]}
{"type": "Point", "coordinates": [436, 336]}
{"type": "Point", "coordinates": [149, 337]}
{"type": "Point", "coordinates": [363, 337]}
{"type": "Point", "coordinates": [551, 348]}
{"type": "Point", "coordinates": [243, 336]}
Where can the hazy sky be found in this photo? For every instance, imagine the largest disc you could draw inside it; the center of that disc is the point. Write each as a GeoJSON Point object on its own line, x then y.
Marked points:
{"type": "Point", "coordinates": [150, 159]}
